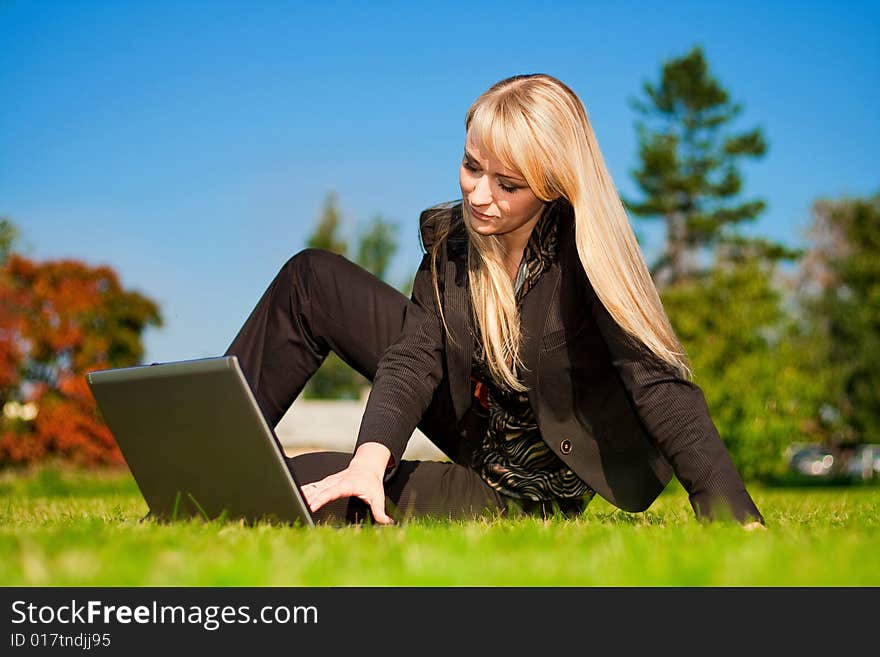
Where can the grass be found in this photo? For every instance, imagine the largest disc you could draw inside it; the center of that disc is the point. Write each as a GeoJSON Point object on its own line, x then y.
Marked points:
{"type": "Point", "coordinates": [70, 528]}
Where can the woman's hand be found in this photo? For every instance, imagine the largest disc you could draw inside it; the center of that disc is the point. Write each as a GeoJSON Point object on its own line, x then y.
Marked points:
{"type": "Point", "coordinates": [362, 478]}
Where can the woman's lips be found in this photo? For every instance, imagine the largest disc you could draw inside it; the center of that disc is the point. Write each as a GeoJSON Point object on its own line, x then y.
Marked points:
{"type": "Point", "coordinates": [480, 215]}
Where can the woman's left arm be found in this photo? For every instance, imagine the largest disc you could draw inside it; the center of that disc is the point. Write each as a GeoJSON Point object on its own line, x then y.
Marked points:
{"type": "Point", "coordinates": [674, 412]}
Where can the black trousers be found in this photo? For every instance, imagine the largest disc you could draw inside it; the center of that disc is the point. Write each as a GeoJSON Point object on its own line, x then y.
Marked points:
{"type": "Point", "coordinates": [319, 302]}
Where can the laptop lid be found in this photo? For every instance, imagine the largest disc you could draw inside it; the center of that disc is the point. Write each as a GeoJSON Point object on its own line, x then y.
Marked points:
{"type": "Point", "coordinates": [196, 441]}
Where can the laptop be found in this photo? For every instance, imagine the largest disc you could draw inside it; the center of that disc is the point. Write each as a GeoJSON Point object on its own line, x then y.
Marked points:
{"type": "Point", "coordinates": [197, 443]}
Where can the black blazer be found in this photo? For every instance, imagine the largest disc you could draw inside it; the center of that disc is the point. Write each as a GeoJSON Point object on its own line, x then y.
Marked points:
{"type": "Point", "coordinates": [622, 420]}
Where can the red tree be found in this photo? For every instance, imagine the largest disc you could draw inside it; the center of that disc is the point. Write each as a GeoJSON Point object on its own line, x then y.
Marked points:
{"type": "Point", "coordinates": [60, 320]}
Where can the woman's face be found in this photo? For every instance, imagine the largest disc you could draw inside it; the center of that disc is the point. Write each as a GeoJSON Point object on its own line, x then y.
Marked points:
{"type": "Point", "coordinates": [499, 200]}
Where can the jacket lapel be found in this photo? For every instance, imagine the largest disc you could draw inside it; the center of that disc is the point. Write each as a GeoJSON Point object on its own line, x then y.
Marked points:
{"type": "Point", "coordinates": [541, 314]}
{"type": "Point", "coordinates": [534, 322]}
{"type": "Point", "coordinates": [535, 319]}
{"type": "Point", "coordinates": [459, 352]}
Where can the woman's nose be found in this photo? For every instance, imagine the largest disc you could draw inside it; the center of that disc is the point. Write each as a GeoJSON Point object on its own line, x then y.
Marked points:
{"type": "Point", "coordinates": [482, 194]}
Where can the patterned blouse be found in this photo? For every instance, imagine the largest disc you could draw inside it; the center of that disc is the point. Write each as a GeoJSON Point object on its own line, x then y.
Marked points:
{"type": "Point", "coordinates": [512, 457]}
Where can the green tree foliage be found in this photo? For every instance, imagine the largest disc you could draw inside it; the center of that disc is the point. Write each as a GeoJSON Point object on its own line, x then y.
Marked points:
{"type": "Point", "coordinates": [326, 235]}
{"type": "Point", "coordinates": [688, 170]}
{"type": "Point", "coordinates": [377, 245]}
{"type": "Point", "coordinates": [8, 236]}
{"type": "Point", "coordinates": [755, 364]}
{"type": "Point", "coordinates": [840, 287]}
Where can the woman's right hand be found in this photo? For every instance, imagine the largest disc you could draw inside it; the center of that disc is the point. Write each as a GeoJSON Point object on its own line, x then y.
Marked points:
{"type": "Point", "coordinates": [363, 478]}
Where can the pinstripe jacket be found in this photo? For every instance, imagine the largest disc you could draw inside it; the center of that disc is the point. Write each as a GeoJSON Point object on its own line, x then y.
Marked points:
{"type": "Point", "coordinates": [620, 419]}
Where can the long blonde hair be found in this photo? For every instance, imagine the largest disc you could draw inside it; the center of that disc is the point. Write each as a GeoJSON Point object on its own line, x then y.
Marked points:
{"type": "Point", "coordinates": [537, 126]}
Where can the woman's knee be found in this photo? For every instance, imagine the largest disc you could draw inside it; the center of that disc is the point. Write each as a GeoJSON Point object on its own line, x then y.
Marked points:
{"type": "Point", "coordinates": [309, 261]}
{"type": "Point", "coordinates": [313, 466]}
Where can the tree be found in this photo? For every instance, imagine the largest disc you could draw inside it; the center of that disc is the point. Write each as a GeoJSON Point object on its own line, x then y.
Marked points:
{"type": "Point", "coordinates": [326, 232]}
{"type": "Point", "coordinates": [753, 361]}
{"type": "Point", "coordinates": [688, 172]}
{"type": "Point", "coordinates": [840, 292]}
{"type": "Point", "coordinates": [11, 320]}
{"type": "Point", "coordinates": [60, 320]}
{"type": "Point", "coordinates": [8, 235]}
{"type": "Point", "coordinates": [377, 246]}
{"type": "Point", "coordinates": [335, 379]}
{"type": "Point", "coordinates": [729, 308]}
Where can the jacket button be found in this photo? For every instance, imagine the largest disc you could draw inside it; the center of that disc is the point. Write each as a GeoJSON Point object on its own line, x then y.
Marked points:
{"type": "Point", "coordinates": [565, 446]}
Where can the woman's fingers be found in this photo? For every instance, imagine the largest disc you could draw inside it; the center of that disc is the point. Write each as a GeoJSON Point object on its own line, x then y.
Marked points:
{"type": "Point", "coordinates": [310, 491]}
{"type": "Point", "coordinates": [377, 507]}
{"type": "Point", "coordinates": [321, 496]}
{"type": "Point", "coordinates": [319, 493]}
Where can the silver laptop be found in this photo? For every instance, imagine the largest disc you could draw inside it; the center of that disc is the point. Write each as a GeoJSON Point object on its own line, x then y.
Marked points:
{"type": "Point", "coordinates": [197, 443]}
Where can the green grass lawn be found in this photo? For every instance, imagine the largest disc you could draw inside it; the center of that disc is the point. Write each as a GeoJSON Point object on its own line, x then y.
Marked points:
{"type": "Point", "coordinates": [69, 528]}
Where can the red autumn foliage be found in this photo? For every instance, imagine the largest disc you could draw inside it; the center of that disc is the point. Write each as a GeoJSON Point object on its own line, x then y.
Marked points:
{"type": "Point", "coordinates": [10, 326]}
{"type": "Point", "coordinates": [60, 320]}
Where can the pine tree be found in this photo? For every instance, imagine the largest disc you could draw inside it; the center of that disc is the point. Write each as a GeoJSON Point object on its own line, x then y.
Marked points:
{"type": "Point", "coordinates": [726, 307]}
{"type": "Point", "coordinates": [688, 171]}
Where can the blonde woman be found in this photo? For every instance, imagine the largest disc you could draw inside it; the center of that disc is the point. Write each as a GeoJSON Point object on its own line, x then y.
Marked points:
{"type": "Point", "coordinates": [534, 352]}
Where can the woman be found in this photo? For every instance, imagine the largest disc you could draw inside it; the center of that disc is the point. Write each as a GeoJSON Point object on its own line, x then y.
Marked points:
{"type": "Point", "coordinates": [534, 352]}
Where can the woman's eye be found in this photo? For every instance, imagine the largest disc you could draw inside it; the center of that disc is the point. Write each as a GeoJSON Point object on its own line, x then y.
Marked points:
{"type": "Point", "coordinates": [474, 169]}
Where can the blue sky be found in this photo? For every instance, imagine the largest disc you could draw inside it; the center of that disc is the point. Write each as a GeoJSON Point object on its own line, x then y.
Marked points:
{"type": "Point", "coordinates": [190, 145]}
